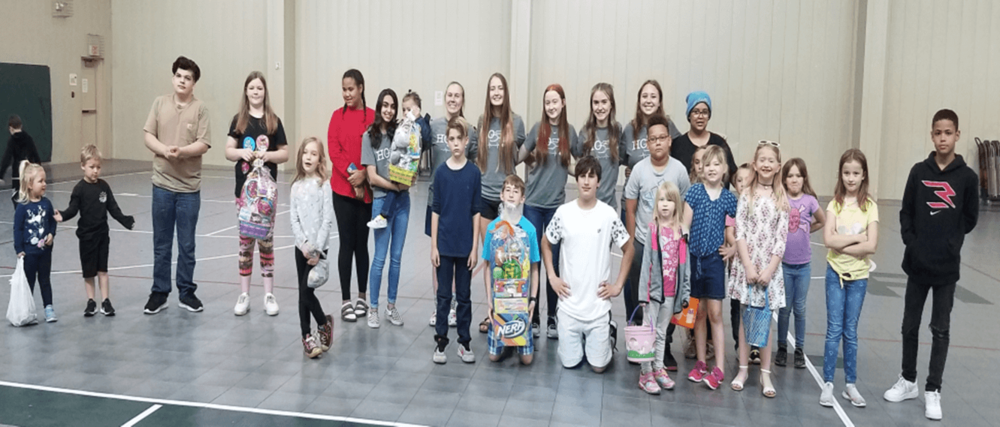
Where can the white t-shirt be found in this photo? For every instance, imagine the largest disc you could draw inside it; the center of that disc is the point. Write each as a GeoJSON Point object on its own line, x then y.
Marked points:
{"type": "Point", "coordinates": [585, 260]}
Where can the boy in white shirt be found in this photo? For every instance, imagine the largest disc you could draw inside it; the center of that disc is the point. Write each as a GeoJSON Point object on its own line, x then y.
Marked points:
{"type": "Point", "coordinates": [585, 228]}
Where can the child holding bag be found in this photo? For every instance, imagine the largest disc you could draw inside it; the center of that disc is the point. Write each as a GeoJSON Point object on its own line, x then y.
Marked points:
{"type": "Point", "coordinates": [761, 233]}
{"type": "Point", "coordinates": [34, 231]}
{"type": "Point", "coordinates": [664, 281]}
{"type": "Point", "coordinates": [312, 219]}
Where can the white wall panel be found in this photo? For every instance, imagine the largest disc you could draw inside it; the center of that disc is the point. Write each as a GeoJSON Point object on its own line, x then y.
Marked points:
{"type": "Point", "coordinates": [399, 45]}
{"type": "Point", "coordinates": [939, 55]}
{"type": "Point", "coordinates": [776, 69]}
{"type": "Point", "coordinates": [226, 38]}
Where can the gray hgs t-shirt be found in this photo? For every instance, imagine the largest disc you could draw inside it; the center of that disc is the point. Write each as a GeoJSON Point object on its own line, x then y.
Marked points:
{"type": "Point", "coordinates": [440, 152]}
{"type": "Point", "coordinates": [546, 186]}
{"type": "Point", "coordinates": [642, 185]}
{"type": "Point", "coordinates": [632, 146]}
{"type": "Point", "coordinates": [609, 166]}
{"type": "Point", "coordinates": [379, 157]}
{"type": "Point", "coordinates": [493, 176]}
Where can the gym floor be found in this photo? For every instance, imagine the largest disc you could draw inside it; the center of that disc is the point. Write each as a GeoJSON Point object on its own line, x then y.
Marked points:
{"type": "Point", "coordinates": [213, 368]}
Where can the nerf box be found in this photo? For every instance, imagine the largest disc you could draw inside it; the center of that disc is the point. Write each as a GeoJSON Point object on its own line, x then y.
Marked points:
{"type": "Point", "coordinates": [511, 267]}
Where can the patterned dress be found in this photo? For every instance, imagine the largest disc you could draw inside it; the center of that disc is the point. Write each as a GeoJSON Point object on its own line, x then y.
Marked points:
{"type": "Point", "coordinates": [765, 232]}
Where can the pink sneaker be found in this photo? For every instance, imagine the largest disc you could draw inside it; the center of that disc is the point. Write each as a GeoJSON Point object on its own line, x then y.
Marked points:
{"type": "Point", "coordinates": [648, 384]}
{"type": "Point", "coordinates": [663, 380]}
{"type": "Point", "coordinates": [715, 378]}
{"type": "Point", "coordinates": [698, 373]}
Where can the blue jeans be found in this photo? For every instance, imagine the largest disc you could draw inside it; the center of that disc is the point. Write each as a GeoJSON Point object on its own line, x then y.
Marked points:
{"type": "Point", "coordinates": [395, 231]}
{"type": "Point", "coordinates": [172, 210]}
{"type": "Point", "coordinates": [540, 218]}
{"type": "Point", "coordinates": [843, 309]}
{"type": "Point", "coordinates": [796, 289]}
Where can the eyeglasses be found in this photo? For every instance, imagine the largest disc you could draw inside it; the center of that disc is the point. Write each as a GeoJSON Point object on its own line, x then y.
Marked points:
{"type": "Point", "coordinates": [766, 142]}
{"type": "Point", "coordinates": [702, 113]}
{"type": "Point", "coordinates": [655, 140]}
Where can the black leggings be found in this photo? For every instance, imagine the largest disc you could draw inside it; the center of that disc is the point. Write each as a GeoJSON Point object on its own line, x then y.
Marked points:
{"type": "Point", "coordinates": [40, 265]}
{"type": "Point", "coordinates": [308, 303]}
{"type": "Point", "coordinates": [352, 224]}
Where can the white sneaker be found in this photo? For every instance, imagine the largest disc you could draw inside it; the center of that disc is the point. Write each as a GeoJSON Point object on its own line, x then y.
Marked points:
{"type": "Point", "coordinates": [439, 356]}
{"type": "Point", "coordinates": [452, 317]}
{"type": "Point", "coordinates": [851, 393]}
{"type": "Point", "coordinates": [373, 321]}
{"type": "Point", "coordinates": [465, 353]}
{"type": "Point", "coordinates": [270, 305]}
{"type": "Point", "coordinates": [394, 317]}
{"type": "Point", "coordinates": [933, 401]}
{"type": "Point", "coordinates": [901, 391]}
{"type": "Point", "coordinates": [434, 318]}
{"type": "Point", "coordinates": [826, 397]}
{"type": "Point", "coordinates": [377, 223]}
{"type": "Point", "coordinates": [242, 304]}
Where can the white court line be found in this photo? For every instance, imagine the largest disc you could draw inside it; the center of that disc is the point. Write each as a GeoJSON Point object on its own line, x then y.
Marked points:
{"type": "Point", "coordinates": [206, 405]}
{"type": "Point", "coordinates": [70, 227]}
{"type": "Point", "coordinates": [815, 374]}
{"type": "Point", "coordinates": [142, 416]}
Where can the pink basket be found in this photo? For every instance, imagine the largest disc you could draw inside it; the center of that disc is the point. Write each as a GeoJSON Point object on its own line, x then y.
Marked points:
{"type": "Point", "coordinates": [639, 341]}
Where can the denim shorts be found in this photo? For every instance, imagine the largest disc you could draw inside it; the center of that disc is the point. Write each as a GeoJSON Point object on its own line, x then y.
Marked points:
{"type": "Point", "coordinates": [708, 277]}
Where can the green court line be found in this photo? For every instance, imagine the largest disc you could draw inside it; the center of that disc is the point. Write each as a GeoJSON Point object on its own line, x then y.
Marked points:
{"type": "Point", "coordinates": [26, 405]}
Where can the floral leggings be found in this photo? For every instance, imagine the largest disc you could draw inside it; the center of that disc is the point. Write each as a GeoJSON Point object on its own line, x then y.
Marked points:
{"type": "Point", "coordinates": [266, 256]}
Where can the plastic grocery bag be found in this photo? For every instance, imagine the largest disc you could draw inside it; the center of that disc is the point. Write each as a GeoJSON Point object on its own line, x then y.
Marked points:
{"type": "Point", "coordinates": [319, 274]}
{"type": "Point", "coordinates": [21, 310]}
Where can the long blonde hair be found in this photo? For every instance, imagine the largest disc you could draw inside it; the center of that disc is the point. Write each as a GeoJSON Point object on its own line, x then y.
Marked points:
{"type": "Point", "coordinates": [28, 172]}
{"type": "Point", "coordinates": [668, 190]}
{"type": "Point", "coordinates": [777, 189]}
{"type": "Point", "coordinates": [322, 169]}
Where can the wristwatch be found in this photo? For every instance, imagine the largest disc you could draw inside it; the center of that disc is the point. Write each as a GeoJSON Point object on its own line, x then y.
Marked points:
{"type": "Point", "coordinates": [532, 299]}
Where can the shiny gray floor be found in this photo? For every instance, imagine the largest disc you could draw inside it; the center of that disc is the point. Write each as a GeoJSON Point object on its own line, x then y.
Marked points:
{"type": "Point", "coordinates": [387, 374]}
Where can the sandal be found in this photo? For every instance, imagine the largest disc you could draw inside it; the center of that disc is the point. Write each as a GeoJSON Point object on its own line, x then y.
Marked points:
{"type": "Point", "coordinates": [347, 312]}
{"type": "Point", "coordinates": [768, 390]}
{"type": "Point", "coordinates": [737, 384]}
{"type": "Point", "coordinates": [484, 326]}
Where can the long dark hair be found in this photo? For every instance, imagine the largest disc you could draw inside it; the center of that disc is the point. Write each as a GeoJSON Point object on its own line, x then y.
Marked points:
{"type": "Point", "coordinates": [614, 129]}
{"type": "Point", "coordinates": [375, 130]}
{"type": "Point", "coordinates": [801, 165]}
{"type": "Point", "coordinates": [541, 151]}
{"type": "Point", "coordinates": [641, 119]}
{"type": "Point", "coordinates": [359, 80]}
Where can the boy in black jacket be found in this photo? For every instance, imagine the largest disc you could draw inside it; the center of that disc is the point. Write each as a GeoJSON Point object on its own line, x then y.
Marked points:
{"type": "Point", "coordinates": [93, 199]}
{"type": "Point", "coordinates": [20, 147]}
{"type": "Point", "coordinates": [940, 206]}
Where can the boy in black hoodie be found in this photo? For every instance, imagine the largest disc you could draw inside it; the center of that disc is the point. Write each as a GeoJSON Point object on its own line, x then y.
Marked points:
{"type": "Point", "coordinates": [20, 147]}
{"type": "Point", "coordinates": [940, 206]}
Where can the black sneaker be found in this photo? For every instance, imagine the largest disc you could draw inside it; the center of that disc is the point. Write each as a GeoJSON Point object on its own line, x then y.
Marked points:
{"type": "Point", "coordinates": [781, 357]}
{"type": "Point", "coordinates": [157, 301]}
{"type": "Point", "coordinates": [800, 358]}
{"type": "Point", "coordinates": [755, 356]}
{"type": "Point", "coordinates": [91, 308]}
{"type": "Point", "coordinates": [669, 363]}
{"type": "Point", "coordinates": [106, 308]}
{"type": "Point", "coordinates": [191, 303]}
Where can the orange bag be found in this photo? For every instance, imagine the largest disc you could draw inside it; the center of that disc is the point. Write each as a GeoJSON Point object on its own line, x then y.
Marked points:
{"type": "Point", "coordinates": [685, 318]}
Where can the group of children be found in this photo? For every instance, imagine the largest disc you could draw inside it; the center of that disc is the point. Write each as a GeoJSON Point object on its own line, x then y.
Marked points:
{"type": "Point", "coordinates": [685, 227]}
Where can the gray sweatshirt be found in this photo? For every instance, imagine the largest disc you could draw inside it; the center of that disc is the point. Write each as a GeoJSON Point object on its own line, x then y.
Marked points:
{"type": "Point", "coordinates": [312, 213]}
{"type": "Point", "coordinates": [651, 275]}
{"type": "Point", "coordinates": [546, 186]}
{"type": "Point", "coordinates": [642, 187]}
{"type": "Point", "coordinates": [609, 167]}
{"type": "Point", "coordinates": [632, 145]}
{"type": "Point", "coordinates": [494, 175]}
{"type": "Point", "coordinates": [377, 157]}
